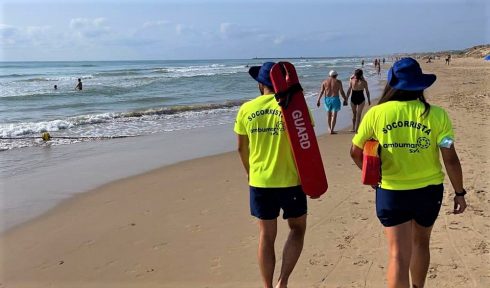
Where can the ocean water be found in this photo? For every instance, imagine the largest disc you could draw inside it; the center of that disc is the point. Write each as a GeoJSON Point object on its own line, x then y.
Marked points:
{"type": "Point", "coordinates": [132, 98]}
{"type": "Point", "coordinates": [173, 111]}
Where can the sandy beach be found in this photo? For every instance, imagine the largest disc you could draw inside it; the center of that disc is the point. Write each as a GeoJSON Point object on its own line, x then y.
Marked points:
{"type": "Point", "coordinates": [188, 224]}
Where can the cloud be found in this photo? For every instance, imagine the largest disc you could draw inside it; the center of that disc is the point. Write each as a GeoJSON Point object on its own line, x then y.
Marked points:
{"type": "Point", "coordinates": [90, 28]}
{"type": "Point", "coordinates": [8, 34]}
{"type": "Point", "coordinates": [233, 31]}
{"type": "Point", "coordinates": [159, 23]}
{"type": "Point", "coordinates": [279, 40]}
{"type": "Point", "coordinates": [30, 35]}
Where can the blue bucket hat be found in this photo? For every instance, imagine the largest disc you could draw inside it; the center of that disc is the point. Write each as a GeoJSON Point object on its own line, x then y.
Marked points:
{"type": "Point", "coordinates": [262, 73]}
{"type": "Point", "coordinates": [406, 74]}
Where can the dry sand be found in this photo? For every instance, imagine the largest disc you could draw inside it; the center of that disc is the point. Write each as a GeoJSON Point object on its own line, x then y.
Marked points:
{"type": "Point", "coordinates": [188, 225]}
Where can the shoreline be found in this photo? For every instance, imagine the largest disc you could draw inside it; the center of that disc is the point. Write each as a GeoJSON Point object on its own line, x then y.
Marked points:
{"type": "Point", "coordinates": [188, 225]}
{"type": "Point", "coordinates": [52, 175]}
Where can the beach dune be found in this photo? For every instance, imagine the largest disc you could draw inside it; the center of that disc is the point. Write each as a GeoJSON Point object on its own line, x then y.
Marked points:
{"type": "Point", "coordinates": [189, 225]}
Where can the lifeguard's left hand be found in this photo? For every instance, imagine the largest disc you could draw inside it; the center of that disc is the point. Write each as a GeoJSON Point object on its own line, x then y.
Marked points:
{"type": "Point", "coordinates": [459, 204]}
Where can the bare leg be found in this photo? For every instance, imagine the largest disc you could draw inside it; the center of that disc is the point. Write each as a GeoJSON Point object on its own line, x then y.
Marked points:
{"type": "Point", "coordinates": [292, 249]}
{"type": "Point", "coordinates": [266, 254]}
{"type": "Point", "coordinates": [360, 107]}
{"type": "Point", "coordinates": [354, 113]}
{"type": "Point", "coordinates": [329, 121]}
{"type": "Point", "coordinates": [400, 249]}
{"type": "Point", "coordinates": [419, 263]}
{"type": "Point", "coordinates": [333, 122]}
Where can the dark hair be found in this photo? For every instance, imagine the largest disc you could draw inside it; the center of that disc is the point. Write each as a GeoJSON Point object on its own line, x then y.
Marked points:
{"type": "Point", "coordinates": [359, 74]}
{"type": "Point", "coordinates": [392, 94]}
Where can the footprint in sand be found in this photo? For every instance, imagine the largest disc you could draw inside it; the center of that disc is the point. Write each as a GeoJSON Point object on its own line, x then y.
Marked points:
{"type": "Point", "coordinates": [361, 262]}
{"type": "Point", "coordinates": [193, 228]}
{"type": "Point", "coordinates": [318, 259]}
{"type": "Point", "coordinates": [160, 246]}
{"type": "Point", "coordinates": [479, 212]}
{"type": "Point", "coordinates": [432, 273]}
{"type": "Point", "coordinates": [216, 265]}
{"type": "Point", "coordinates": [481, 248]}
{"type": "Point", "coordinates": [138, 271]}
{"type": "Point", "coordinates": [88, 243]}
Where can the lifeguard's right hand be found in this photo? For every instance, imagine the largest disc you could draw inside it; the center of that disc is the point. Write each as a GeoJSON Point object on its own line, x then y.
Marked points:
{"type": "Point", "coordinates": [459, 204]}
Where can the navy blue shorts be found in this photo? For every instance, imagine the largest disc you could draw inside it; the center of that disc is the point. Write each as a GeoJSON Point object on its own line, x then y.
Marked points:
{"type": "Point", "coordinates": [266, 203]}
{"type": "Point", "coordinates": [394, 207]}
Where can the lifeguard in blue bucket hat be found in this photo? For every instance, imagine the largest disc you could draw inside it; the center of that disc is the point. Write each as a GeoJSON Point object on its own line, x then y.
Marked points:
{"type": "Point", "coordinates": [273, 179]}
{"type": "Point", "coordinates": [411, 133]}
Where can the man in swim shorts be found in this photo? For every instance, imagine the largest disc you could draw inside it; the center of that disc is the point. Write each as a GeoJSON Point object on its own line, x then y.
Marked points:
{"type": "Point", "coordinates": [331, 88]}
{"type": "Point", "coordinates": [273, 179]}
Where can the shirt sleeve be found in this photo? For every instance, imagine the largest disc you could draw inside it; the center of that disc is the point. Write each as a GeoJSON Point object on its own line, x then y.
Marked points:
{"type": "Point", "coordinates": [446, 128]}
{"type": "Point", "coordinates": [366, 129]}
{"type": "Point", "coordinates": [239, 125]}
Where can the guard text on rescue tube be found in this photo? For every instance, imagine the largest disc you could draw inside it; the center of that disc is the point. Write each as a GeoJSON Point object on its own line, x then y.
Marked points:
{"type": "Point", "coordinates": [299, 124]}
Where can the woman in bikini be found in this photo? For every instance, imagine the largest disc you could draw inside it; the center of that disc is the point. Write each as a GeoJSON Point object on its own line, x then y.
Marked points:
{"type": "Point", "coordinates": [357, 85]}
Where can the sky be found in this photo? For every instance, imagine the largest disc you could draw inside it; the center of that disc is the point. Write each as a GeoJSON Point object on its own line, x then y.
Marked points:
{"type": "Point", "coordinates": [38, 30]}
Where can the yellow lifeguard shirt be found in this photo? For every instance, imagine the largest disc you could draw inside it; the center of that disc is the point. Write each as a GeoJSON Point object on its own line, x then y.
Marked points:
{"type": "Point", "coordinates": [271, 159]}
{"type": "Point", "coordinates": [409, 142]}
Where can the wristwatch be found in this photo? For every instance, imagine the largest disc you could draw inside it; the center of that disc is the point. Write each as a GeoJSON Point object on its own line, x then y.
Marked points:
{"type": "Point", "coordinates": [460, 193]}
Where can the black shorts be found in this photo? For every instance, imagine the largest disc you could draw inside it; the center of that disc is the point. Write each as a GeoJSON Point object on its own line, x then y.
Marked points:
{"type": "Point", "coordinates": [266, 203]}
{"type": "Point", "coordinates": [394, 207]}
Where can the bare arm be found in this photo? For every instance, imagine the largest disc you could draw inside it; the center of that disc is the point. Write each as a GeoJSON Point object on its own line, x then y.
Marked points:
{"type": "Point", "coordinates": [322, 91]}
{"type": "Point", "coordinates": [244, 151]}
{"type": "Point", "coordinates": [342, 91]}
{"type": "Point", "coordinates": [367, 92]}
{"type": "Point", "coordinates": [349, 89]}
{"type": "Point", "coordinates": [356, 155]}
{"type": "Point", "coordinates": [455, 174]}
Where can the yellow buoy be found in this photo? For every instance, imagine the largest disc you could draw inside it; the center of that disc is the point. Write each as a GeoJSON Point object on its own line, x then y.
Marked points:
{"type": "Point", "coordinates": [46, 136]}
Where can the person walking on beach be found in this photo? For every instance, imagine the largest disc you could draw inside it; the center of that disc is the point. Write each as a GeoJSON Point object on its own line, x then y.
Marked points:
{"type": "Point", "coordinates": [273, 179]}
{"type": "Point", "coordinates": [378, 69]}
{"type": "Point", "coordinates": [411, 133]}
{"type": "Point", "coordinates": [448, 59]}
{"type": "Point", "coordinates": [331, 88]}
{"type": "Point", "coordinates": [357, 85]}
{"type": "Point", "coordinates": [79, 85]}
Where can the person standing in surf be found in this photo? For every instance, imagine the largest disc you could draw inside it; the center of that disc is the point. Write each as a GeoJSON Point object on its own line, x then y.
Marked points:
{"type": "Point", "coordinates": [411, 134]}
{"type": "Point", "coordinates": [79, 85]}
{"type": "Point", "coordinates": [331, 88]}
{"type": "Point", "coordinates": [274, 183]}
{"type": "Point", "coordinates": [357, 85]}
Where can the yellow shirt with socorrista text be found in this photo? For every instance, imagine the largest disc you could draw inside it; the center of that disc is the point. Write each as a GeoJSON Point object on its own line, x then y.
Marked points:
{"type": "Point", "coordinates": [271, 159]}
{"type": "Point", "coordinates": [409, 142]}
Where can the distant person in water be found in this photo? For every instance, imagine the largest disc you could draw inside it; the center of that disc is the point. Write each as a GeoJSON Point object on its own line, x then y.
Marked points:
{"type": "Point", "coordinates": [362, 63]}
{"type": "Point", "coordinates": [55, 87]}
{"type": "Point", "coordinates": [331, 88]}
{"type": "Point", "coordinates": [79, 85]}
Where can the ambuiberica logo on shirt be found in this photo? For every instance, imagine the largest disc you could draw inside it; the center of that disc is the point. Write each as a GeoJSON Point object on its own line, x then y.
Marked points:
{"type": "Point", "coordinates": [278, 126]}
{"type": "Point", "coordinates": [421, 142]}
